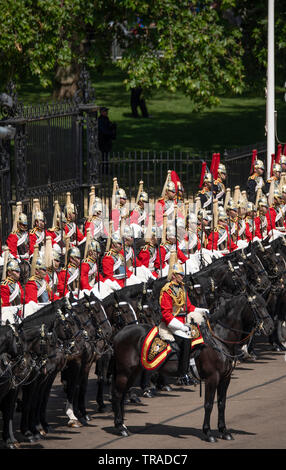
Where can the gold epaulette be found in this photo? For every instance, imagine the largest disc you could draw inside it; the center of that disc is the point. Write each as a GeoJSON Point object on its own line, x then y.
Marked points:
{"type": "Point", "coordinates": [85, 260]}
{"type": "Point", "coordinates": [52, 229]}
{"type": "Point", "coordinates": [165, 288]}
{"type": "Point", "coordinates": [215, 229]}
{"type": "Point", "coordinates": [5, 282]}
{"type": "Point", "coordinates": [252, 177]}
{"type": "Point", "coordinates": [32, 278]}
{"type": "Point", "coordinates": [33, 230]}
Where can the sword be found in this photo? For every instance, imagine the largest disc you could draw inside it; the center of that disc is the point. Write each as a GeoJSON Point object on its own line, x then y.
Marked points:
{"type": "Point", "coordinates": [124, 254]}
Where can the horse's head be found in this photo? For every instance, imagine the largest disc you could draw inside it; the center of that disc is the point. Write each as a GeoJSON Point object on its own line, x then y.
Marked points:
{"type": "Point", "coordinates": [259, 315]}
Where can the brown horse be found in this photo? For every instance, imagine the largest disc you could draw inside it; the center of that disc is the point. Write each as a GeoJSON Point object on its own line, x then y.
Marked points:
{"type": "Point", "coordinates": [233, 323]}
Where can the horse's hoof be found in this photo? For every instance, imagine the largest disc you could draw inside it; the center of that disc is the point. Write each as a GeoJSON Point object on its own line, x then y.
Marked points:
{"type": "Point", "coordinates": [135, 399]}
{"type": "Point", "coordinates": [101, 408]}
{"type": "Point", "coordinates": [123, 431]}
{"type": "Point", "coordinates": [211, 439]}
{"type": "Point", "coordinates": [87, 418]}
{"type": "Point", "coordinates": [148, 394]}
{"type": "Point", "coordinates": [74, 423]}
{"type": "Point", "coordinates": [11, 444]}
{"type": "Point", "coordinates": [226, 436]}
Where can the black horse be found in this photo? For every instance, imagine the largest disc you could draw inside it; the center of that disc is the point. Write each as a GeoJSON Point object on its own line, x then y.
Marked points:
{"type": "Point", "coordinates": [233, 323]}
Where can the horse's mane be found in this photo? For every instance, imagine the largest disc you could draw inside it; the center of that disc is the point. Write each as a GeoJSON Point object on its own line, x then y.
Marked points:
{"type": "Point", "coordinates": [46, 314]}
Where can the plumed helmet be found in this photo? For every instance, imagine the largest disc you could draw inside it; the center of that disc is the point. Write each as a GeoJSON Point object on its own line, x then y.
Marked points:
{"type": "Point", "coordinates": [74, 251]}
{"type": "Point", "coordinates": [13, 265]}
{"type": "Point", "coordinates": [277, 167]}
{"type": "Point", "coordinates": [170, 232]}
{"type": "Point", "coordinates": [202, 214]}
{"type": "Point", "coordinates": [259, 164]}
{"type": "Point", "coordinates": [96, 207]}
{"type": "Point", "coordinates": [262, 202]}
{"type": "Point", "coordinates": [207, 178]}
{"type": "Point", "coordinates": [180, 187]}
{"type": "Point", "coordinates": [121, 194]}
{"type": "Point", "coordinates": [127, 232]}
{"type": "Point", "coordinates": [250, 207]}
{"type": "Point", "coordinates": [221, 168]}
{"type": "Point", "coordinates": [171, 186]}
{"type": "Point", "coordinates": [94, 245]}
{"type": "Point", "coordinates": [177, 268]}
{"type": "Point", "coordinates": [277, 194]}
{"type": "Point", "coordinates": [143, 197]}
{"type": "Point", "coordinates": [222, 214]}
{"type": "Point", "coordinates": [232, 205]}
{"type": "Point", "coordinates": [40, 263]}
{"type": "Point", "coordinates": [56, 255]}
{"type": "Point", "coordinates": [39, 215]}
{"type": "Point", "coordinates": [282, 159]}
{"type": "Point", "coordinates": [22, 219]}
{"type": "Point", "coordinates": [115, 238]}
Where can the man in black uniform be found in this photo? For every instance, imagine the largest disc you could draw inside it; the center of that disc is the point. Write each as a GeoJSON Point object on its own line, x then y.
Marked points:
{"type": "Point", "coordinates": [255, 181]}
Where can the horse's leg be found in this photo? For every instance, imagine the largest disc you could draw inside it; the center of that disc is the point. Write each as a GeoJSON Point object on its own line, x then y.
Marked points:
{"type": "Point", "coordinates": [210, 390]}
{"type": "Point", "coordinates": [100, 369]}
{"type": "Point", "coordinates": [42, 425]}
{"type": "Point", "coordinates": [221, 402]}
{"type": "Point", "coordinates": [71, 378]}
{"type": "Point", "coordinates": [82, 393]}
{"type": "Point", "coordinates": [7, 407]}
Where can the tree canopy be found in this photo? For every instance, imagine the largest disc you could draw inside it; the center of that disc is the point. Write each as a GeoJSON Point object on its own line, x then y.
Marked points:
{"type": "Point", "coordinates": [203, 48]}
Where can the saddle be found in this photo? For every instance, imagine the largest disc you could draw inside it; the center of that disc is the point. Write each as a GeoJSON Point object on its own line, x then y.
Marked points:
{"type": "Point", "coordinates": [154, 350]}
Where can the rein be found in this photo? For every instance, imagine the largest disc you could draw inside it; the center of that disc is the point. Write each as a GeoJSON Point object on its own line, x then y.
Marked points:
{"type": "Point", "coordinates": [230, 342]}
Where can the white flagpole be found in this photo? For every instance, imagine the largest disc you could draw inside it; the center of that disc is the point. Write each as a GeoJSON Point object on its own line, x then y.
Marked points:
{"type": "Point", "coordinates": [270, 100]}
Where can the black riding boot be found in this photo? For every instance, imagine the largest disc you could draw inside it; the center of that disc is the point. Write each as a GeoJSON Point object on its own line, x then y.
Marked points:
{"type": "Point", "coordinates": [184, 359]}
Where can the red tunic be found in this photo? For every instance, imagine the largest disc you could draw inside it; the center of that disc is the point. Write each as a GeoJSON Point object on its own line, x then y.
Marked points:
{"type": "Point", "coordinates": [214, 238]}
{"type": "Point", "coordinates": [166, 303]}
{"type": "Point", "coordinates": [7, 289]}
{"type": "Point", "coordinates": [249, 234]}
{"type": "Point", "coordinates": [12, 243]}
{"type": "Point", "coordinates": [163, 260]}
{"type": "Point", "coordinates": [109, 268]}
{"type": "Point", "coordinates": [87, 270]}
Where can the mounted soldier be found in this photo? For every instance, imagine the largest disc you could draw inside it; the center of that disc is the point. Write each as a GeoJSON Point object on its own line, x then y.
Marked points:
{"type": "Point", "coordinates": [177, 315]}
{"type": "Point", "coordinates": [90, 278]}
{"type": "Point", "coordinates": [139, 216]}
{"type": "Point", "coordinates": [37, 234]}
{"type": "Point", "coordinates": [255, 181]}
{"type": "Point", "coordinates": [71, 229]}
{"type": "Point", "coordinates": [261, 220]}
{"type": "Point", "coordinates": [56, 232]}
{"type": "Point", "coordinates": [252, 229]}
{"type": "Point", "coordinates": [95, 221]}
{"type": "Point", "coordinates": [161, 263]}
{"type": "Point", "coordinates": [220, 239]}
{"type": "Point", "coordinates": [115, 272]}
{"type": "Point", "coordinates": [52, 274]}
{"type": "Point", "coordinates": [147, 254]}
{"type": "Point", "coordinates": [206, 194]}
{"type": "Point", "coordinates": [37, 288]}
{"type": "Point", "coordinates": [276, 176]}
{"type": "Point", "coordinates": [232, 213]}
{"type": "Point", "coordinates": [166, 203]}
{"type": "Point", "coordinates": [131, 259]}
{"type": "Point", "coordinates": [120, 208]}
{"type": "Point", "coordinates": [69, 277]}
{"type": "Point", "coordinates": [12, 293]}
{"type": "Point", "coordinates": [18, 240]}
{"type": "Point", "coordinates": [219, 184]}
{"type": "Point", "coordinates": [276, 224]}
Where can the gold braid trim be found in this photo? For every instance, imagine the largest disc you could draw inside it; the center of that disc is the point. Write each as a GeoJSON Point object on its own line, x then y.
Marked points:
{"type": "Point", "coordinates": [179, 299]}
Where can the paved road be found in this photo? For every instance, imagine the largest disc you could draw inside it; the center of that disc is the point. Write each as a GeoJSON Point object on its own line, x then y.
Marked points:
{"type": "Point", "coordinates": [256, 414]}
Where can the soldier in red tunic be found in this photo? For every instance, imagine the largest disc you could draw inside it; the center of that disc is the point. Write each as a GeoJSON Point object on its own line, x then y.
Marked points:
{"type": "Point", "coordinates": [11, 289]}
{"type": "Point", "coordinates": [37, 288]}
{"type": "Point", "coordinates": [37, 234]}
{"type": "Point", "coordinates": [139, 217]}
{"type": "Point", "coordinates": [120, 210]}
{"type": "Point", "coordinates": [178, 315]}
{"type": "Point", "coordinates": [71, 229]}
{"type": "Point", "coordinates": [148, 252]}
{"type": "Point", "coordinates": [68, 278]}
{"type": "Point", "coordinates": [18, 240]}
{"type": "Point", "coordinates": [252, 230]}
{"type": "Point", "coordinates": [166, 205]}
{"type": "Point", "coordinates": [161, 263]}
{"type": "Point", "coordinates": [220, 238]}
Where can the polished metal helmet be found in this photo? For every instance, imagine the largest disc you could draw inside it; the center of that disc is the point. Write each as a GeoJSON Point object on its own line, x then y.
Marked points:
{"type": "Point", "coordinates": [277, 194]}
{"type": "Point", "coordinates": [39, 215]}
{"type": "Point", "coordinates": [250, 207]}
{"type": "Point", "coordinates": [232, 205]}
{"type": "Point", "coordinates": [259, 164]}
{"type": "Point", "coordinates": [221, 168]}
{"type": "Point", "coordinates": [263, 202]}
{"type": "Point", "coordinates": [121, 194]}
{"type": "Point", "coordinates": [56, 255]}
{"type": "Point", "coordinates": [40, 263]}
{"type": "Point", "coordinates": [171, 186]}
{"type": "Point", "coordinates": [277, 167]}
{"type": "Point", "coordinates": [94, 245]}
{"type": "Point", "coordinates": [74, 252]}
{"type": "Point", "coordinates": [203, 214]}
{"type": "Point", "coordinates": [170, 232]}
{"type": "Point", "coordinates": [222, 214]}
{"type": "Point", "coordinates": [208, 178]}
{"type": "Point", "coordinates": [180, 187]}
{"type": "Point", "coordinates": [128, 232]}
{"type": "Point", "coordinates": [22, 219]}
{"type": "Point", "coordinates": [143, 197]}
{"type": "Point", "coordinates": [13, 265]}
{"type": "Point", "coordinates": [282, 159]}
{"type": "Point", "coordinates": [177, 268]}
{"type": "Point", "coordinates": [97, 207]}
{"type": "Point", "coordinates": [116, 238]}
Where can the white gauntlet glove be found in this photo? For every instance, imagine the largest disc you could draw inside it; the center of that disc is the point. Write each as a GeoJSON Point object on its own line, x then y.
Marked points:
{"type": "Point", "coordinates": [178, 325]}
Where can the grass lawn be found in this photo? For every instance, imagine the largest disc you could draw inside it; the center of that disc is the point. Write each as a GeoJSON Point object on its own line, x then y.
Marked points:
{"type": "Point", "coordinates": [237, 122]}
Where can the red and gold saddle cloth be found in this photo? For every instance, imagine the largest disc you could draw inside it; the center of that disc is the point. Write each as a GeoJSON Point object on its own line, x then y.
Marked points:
{"type": "Point", "coordinates": [154, 350]}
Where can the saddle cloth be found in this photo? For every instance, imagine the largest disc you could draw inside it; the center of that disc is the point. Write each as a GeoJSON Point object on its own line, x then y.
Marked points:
{"type": "Point", "coordinates": [154, 350]}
